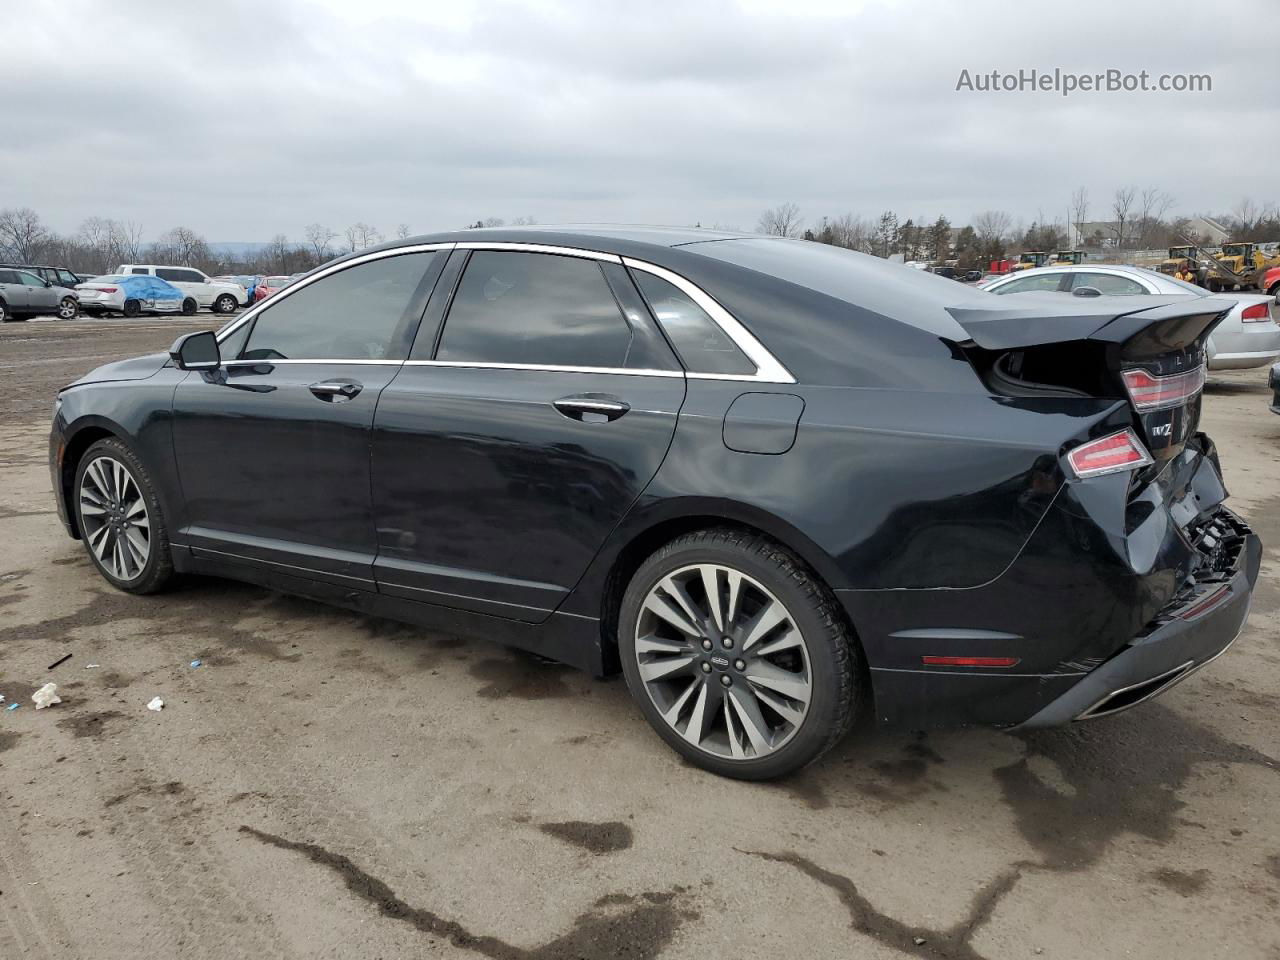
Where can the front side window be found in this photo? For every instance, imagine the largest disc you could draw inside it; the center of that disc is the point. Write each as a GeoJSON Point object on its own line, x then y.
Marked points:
{"type": "Point", "coordinates": [30, 279]}
{"type": "Point", "coordinates": [1109, 283]}
{"type": "Point", "coordinates": [1039, 283]}
{"type": "Point", "coordinates": [67, 278]}
{"type": "Point", "coordinates": [535, 308]}
{"type": "Point", "coordinates": [703, 347]}
{"type": "Point", "coordinates": [361, 313]}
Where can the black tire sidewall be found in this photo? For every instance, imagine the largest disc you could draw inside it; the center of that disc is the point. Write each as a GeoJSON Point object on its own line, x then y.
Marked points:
{"type": "Point", "coordinates": [132, 308]}
{"type": "Point", "coordinates": [221, 299]}
{"type": "Point", "coordinates": [192, 305]}
{"type": "Point", "coordinates": [825, 709]}
{"type": "Point", "coordinates": [159, 566]}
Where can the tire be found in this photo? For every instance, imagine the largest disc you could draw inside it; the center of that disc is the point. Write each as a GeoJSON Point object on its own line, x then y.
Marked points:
{"type": "Point", "coordinates": [121, 528]}
{"type": "Point", "coordinates": [1274, 291]}
{"type": "Point", "coordinates": [68, 308]}
{"type": "Point", "coordinates": [189, 307]}
{"type": "Point", "coordinates": [5, 315]}
{"type": "Point", "coordinates": [811, 645]}
{"type": "Point", "coordinates": [132, 308]}
{"type": "Point", "coordinates": [225, 303]}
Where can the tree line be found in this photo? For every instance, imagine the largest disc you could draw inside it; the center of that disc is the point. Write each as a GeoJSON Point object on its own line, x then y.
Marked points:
{"type": "Point", "coordinates": [101, 244]}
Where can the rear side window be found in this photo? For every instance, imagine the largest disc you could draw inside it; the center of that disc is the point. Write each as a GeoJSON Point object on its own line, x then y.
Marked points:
{"type": "Point", "coordinates": [181, 276]}
{"type": "Point", "coordinates": [1040, 282]}
{"type": "Point", "coordinates": [534, 308]}
{"type": "Point", "coordinates": [1108, 283]}
{"type": "Point", "coordinates": [8, 276]}
{"type": "Point", "coordinates": [364, 312]}
{"type": "Point", "coordinates": [702, 345]}
{"type": "Point", "coordinates": [141, 271]}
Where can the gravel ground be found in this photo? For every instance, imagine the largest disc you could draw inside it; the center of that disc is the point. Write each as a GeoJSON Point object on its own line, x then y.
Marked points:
{"type": "Point", "coordinates": [328, 785]}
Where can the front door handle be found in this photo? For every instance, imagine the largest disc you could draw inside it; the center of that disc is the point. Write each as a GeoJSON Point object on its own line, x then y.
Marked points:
{"type": "Point", "coordinates": [592, 408]}
{"type": "Point", "coordinates": [336, 391]}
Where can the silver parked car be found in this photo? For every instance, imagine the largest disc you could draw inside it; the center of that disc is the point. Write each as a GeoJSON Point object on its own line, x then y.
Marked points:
{"type": "Point", "coordinates": [23, 294]}
{"type": "Point", "coordinates": [1248, 337]}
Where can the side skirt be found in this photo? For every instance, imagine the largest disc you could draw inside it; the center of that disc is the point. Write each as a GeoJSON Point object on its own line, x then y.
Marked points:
{"type": "Point", "coordinates": [567, 638]}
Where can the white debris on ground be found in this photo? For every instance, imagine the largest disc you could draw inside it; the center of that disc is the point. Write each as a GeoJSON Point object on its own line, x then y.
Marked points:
{"type": "Point", "coordinates": [156, 704]}
{"type": "Point", "coordinates": [46, 696]}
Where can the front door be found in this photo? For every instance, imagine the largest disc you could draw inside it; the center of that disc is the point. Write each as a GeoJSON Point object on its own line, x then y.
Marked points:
{"type": "Point", "coordinates": [272, 448]}
{"type": "Point", "coordinates": [41, 298]}
{"type": "Point", "coordinates": [502, 462]}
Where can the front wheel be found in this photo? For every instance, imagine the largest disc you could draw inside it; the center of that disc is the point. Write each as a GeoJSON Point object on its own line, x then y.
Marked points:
{"type": "Point", "coordinates": [120, 520]}
{"type": "Point", "coordinates": [226, 303]}
{"type": "Point", "coordinates": [68, 308]}
{"type": "Point", "coordinates": [4, 312]}
{"type": "Point", "coordinates": [737, 654]}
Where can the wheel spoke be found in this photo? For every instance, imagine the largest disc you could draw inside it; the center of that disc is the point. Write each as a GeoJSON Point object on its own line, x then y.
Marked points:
{"type": "Point", "coordinates": [138, 546]}
{"type": "Point", "coordinates": [668, 667]}
{"type": "Point", "coordinates": [735, 590]}
{"type": "Point", "coordinates": [662, 608]}
{"type": "Point", "coordinates": [711, 585]}
{"type": "Point", "coordinates": [753, 722]}
{"type": "Point", "coordinates": [790, 685]}
{"type": "Point", "coordinates": [652, 644]}
{"type": "Point", "coordinates": [98, 541]}
{"type": "Point", "coordinates": [735, 742]}
{"type": "Point", "coordinates": [700, 720]}
{"type": "Point", "coordinates": [672, 714]}
{"type": "Point", "coordinates": [678, 593]}
{"type": "Point", "coordinates": [780, 706]}
{"type": "Point", "coordinates": [90, 509]}
{"type": "Point", "coordinates": [772, 614]}
{"type": "Point", "coordinates": [786, 641]}
{"type": "Point", "coordinates": [99, 477]}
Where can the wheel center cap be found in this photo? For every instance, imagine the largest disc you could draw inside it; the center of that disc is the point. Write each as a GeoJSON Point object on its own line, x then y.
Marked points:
{"type": "Point", "coordinates": [721, 663]}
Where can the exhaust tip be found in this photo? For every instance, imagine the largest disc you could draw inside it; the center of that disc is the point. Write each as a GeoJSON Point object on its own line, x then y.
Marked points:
{"type": "Point", "coordinates": [1134, 694]}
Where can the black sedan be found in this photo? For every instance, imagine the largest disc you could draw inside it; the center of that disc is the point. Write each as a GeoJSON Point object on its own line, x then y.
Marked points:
{"type": "Point", "coordinates": [774, 483]}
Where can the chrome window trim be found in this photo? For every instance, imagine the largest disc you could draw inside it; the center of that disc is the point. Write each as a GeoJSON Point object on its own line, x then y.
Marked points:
{"type": "Point", "coordinates": [255, 363]}
{"type": "Point", "coordinates": [768, 368]}
{"type": "Point", "coordinates": [328, 271]}
{"type": "Point", "coordinates": [516, 247]}
{"type": "Point", "coordinates": [546, 368]}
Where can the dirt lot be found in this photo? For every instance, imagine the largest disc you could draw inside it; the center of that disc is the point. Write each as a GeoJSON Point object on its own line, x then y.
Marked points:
{"type": "Point", "coordinates": [326, 785]}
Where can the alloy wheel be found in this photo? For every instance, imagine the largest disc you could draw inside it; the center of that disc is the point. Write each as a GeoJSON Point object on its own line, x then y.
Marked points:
{"type": "Point", "coordinates": [67, 309]}
{"type": "Point", "coordinates": [113, 514]}
{"type": "Point", "coordinates": [723, 661]}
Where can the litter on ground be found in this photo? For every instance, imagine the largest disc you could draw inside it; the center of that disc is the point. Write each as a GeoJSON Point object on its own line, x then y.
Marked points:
{"type": "Point", "coordinates": [46, 696]}
{"type": "Point", "coordinates": [156, 704]}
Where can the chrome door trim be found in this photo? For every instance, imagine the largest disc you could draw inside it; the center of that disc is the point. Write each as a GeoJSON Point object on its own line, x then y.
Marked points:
{"type": "Point", "coordinates": [255, 363]}
{"type": "Point", "coordinates": [768, 368]}
{"type": "Point", "coordinates": [545, 368]}
{"type": "Point", "coordinates": [319, 275]}
{"type": "Point", "coordinates": [517, 247]}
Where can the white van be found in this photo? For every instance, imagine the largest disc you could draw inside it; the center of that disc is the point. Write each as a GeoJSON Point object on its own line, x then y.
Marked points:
{"type": "Point", "coordinates": [198, 289]}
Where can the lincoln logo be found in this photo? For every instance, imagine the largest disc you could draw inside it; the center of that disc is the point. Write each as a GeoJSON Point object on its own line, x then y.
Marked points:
{"type": "Point", "coordinates": [720, 661]}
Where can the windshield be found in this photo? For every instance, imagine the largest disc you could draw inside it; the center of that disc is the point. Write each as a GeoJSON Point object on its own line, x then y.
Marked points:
{"type": "Point", "coordinates": [1235, 250]}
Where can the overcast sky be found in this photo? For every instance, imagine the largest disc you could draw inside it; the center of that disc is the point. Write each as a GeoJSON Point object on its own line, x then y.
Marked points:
{"type": "Point", "coordinates": [247, 119]}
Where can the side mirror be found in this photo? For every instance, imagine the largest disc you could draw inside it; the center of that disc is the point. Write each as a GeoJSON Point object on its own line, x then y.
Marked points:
{"type": "Point", "coordinates": [196, 351]}
{"type": "Point", "coordinates": [1086, 292]}
{"type": "Point", "coordinates": [48, 283]}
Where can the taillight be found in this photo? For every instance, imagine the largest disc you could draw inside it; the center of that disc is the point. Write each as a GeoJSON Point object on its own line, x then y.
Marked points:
{"type": "Point", "coordinates": [1118, 451]}
{"type": "Point", "coordinates": [103, 289]}
{"type": "Point", "coordinates": [1156, 393]}
{"type": "Point", "coordinates": [1255, 313]}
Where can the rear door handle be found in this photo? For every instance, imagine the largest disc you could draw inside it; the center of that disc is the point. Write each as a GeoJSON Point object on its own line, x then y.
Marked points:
{"type": "Point", "coordinates": [336, 391]}
{"type": "Point", "coordinates": [593, 408]}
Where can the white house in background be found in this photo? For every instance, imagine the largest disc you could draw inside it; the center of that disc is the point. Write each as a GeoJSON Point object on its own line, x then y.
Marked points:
{"type": "Point", "coordinates": [1209, 232]}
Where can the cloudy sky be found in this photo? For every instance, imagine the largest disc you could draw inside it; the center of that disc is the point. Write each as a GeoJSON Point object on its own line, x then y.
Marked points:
{"type": "Point", "coordinates": [247, 118]}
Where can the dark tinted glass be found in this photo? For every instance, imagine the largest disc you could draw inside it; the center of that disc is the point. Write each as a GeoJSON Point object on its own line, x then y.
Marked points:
{"type": "Point", "coordinates": [141, 271]}
{"type": "Point", "coordinates": [171, 273]}
{"type": "Point", "coordinates": [360, 313]}
{"type": "Point", "coordinates": [8, 276]}
{"type": "Point", "coordinates": [535, 308]}
{"type": "Point", "coordinates": [702, 345]}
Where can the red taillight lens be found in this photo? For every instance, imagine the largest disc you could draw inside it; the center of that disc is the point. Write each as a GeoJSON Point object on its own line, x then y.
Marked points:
{"type": "Point", "coordinates": [1259, 311]}
{"type": "Point", "coordinates": [1206, 603]}
{"type": "Point", "coordinates": [1119, 451]}
{"type": "Point", "coordinates": [970, 661]}
{"type": "Point", "coordinates": [1155, 393]}
{"type": "Point", "coordinates": [103, 289]}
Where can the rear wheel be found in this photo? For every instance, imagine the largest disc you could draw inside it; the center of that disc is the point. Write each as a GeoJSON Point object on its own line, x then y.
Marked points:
{"type": "Point", "coordinates": [68, 308]}
{"type": "Point", "coordinates": [132, 308]}
{"type": "Point", "coordinates": [4, 312]}
{"type": "Point", "coordinates": [120, 521]}
{"type": "Point", "coordinates": [737, 654]}
{"type": "Point", "coordinates": [188, 307]}
{"type": "Point", "coordinates": [226, 303]}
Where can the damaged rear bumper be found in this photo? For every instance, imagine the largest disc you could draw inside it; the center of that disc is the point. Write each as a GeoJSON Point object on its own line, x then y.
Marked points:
{"type": "Point", "coordinates": [1195, 628]}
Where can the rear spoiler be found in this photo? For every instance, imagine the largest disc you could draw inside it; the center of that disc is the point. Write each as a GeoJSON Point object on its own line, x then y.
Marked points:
{"type": "Point", "coordinates": [1030, 320]}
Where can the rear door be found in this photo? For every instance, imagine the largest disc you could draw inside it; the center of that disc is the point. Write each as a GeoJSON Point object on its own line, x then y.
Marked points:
{"type": "Point", "coordinates": [273, 448]}
{"type": "Point", "coordinates": [14, 291]}
{"type": "Point", "coordinates": [190, 282]}
{"type": "Point", "coordinates": [505, 455]}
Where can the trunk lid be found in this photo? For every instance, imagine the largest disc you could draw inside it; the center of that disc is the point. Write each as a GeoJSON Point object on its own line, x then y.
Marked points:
{"type": "Point", "coordinates": [1148, 350]}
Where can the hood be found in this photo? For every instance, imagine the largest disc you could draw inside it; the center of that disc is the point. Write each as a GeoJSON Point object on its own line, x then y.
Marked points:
{"type": "Point", "coordinates": [137, 368]}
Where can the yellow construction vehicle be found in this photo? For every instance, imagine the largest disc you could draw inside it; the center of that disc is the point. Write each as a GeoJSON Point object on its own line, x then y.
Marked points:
{"type": "Point", "coordinates": [1068, 258]}
{"type": "Point", "coordinates": [1246, 261]}
{"type": "Point", "coordinates": [1032, 258]}
{"type": "Point", "coordinates": [1189, 253]}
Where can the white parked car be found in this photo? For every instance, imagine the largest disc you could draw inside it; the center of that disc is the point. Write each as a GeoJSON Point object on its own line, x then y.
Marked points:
{"type": "Point", "coordinates": [128, 295]}
{"type": "Point", "coordinates": [199, 289]}
{"type": "Point", "coordinates": [1248, 337]}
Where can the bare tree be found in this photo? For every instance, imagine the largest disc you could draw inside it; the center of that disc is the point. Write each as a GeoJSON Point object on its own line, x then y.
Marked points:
{"type": "Point", "coordinates": [523, 222]}
{"type": "Point", "coordinates": [181, 245]}
{"type": "Point", "coordinates": [128, 238]}
{"type": "Point", "coordinates": [22, 233]}
{"type": "Point", "coordinates": [279, 251]}
{"type": "Point", "coordinates": [361, 235]}
{"type": "Point", "coordinates": [781, 221]}
{"type": "Point", "coordinates": [1121, 205]}
{"type": "Point", "coordinates": [318, 237]}
{"type": "Point", "coordinates": [1153, 204]}
{"type": "Point", "coordinates": [402, 231]}
{"type": "Point", "coordinates": [1079, 213]}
